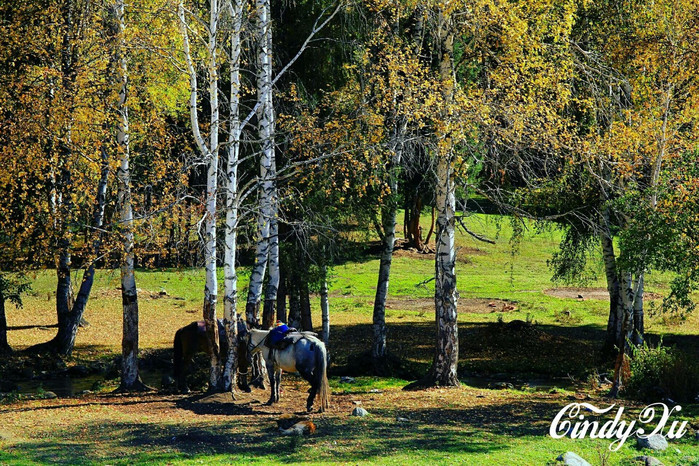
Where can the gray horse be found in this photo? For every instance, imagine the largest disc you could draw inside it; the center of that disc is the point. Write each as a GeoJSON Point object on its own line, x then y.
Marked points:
{"type": "Point", "coordinates": [306, 355]}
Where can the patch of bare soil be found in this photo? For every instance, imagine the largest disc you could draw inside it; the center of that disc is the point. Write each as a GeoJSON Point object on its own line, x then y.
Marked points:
{"type": "Point", "coordinates": [115, 293]}
{"type": "Point", "coordinates": [467, 305]}
{"type": "Point", "coordinates": [402, 250]}
{"type": "Point", "coordinates": [584, 294]}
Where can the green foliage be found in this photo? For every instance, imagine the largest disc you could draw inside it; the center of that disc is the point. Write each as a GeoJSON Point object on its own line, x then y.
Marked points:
{"type": "Point", "coordinates": [661, 371]}
{"type": "Point", "coordinates": [12, 287]}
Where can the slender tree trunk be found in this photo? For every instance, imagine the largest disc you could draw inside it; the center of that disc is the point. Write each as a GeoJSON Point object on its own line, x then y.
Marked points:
{"type": "Point", "coordinates": [64, 341]}
{"type": "Point", "coordinates": [211, 288]}
{"type": "Point", "coordinates": [444, 366]}
{"type": "Point", "coordinates": [230, 300]}
{"type": "Point", "coordinates": [616, 317]}
{"type": "Point", "coordinates": [306, 318]}
{"type": "Point", "coordinates": [281, 295]}
{"type": "Point", "coordinates": [629, 292]}
{"type": "Point", "coordinates": [266, 251]}
{"type": "Point", "coordinates": [210, 155]}
{"type": "Point", "coordinates": [272, 289]}
{"type": "Point", "coordinates": [294, 303]}
{"type": "Point", "coordinates": [130, 378]}
{"type": "Point", "coordinates": [637, 338]}
{"type": "Point", "coordinates": [4, 345]}
{"type": "Point", "coordinates": [325, 306]}
{"type": "Point", "coordinates": [414, 230]}
{"type": "Point", "coordinates": [378, 349]}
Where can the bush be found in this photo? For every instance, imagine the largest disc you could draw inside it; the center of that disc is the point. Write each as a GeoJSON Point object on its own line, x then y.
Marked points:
{"type": "Point", "coordinates": [659, 372]}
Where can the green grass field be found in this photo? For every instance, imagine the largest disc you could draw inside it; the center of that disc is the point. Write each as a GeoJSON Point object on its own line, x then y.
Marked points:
{"type": "Point", "coordinates": [467, 425]}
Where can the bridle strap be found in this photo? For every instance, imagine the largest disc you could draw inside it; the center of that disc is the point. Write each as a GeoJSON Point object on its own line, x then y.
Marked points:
{"type": "Point", "coordinates": [252, 351]}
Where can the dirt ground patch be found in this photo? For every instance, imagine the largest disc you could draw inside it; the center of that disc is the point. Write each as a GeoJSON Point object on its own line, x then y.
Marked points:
{"type": "Point", "coordinates": [584, 294]}
{"type": "Point", "coordinates": [462, 256]}
{"type": "Point", "coordinates": [466, 305]}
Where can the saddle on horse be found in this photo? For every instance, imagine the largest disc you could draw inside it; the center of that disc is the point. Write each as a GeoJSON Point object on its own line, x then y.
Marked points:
{"type": "Point", "coordinates": [279, 338]}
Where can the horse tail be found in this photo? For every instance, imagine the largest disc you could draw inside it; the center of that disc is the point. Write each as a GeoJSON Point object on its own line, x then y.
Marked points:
{"type": "Point", "coordinates": [321, 373]}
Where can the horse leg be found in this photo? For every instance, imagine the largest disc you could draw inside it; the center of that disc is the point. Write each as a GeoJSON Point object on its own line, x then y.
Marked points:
{"type": "Point", "coordinates": [278, 377]}
{"type": "Point", "coordinates": [273, 382]}
{"type": "Point", "coordinates": [182, 377]}
{"type": "Point", "coordinates": [258, 379]}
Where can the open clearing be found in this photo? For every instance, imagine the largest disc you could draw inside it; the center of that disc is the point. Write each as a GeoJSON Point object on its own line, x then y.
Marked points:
{"type": "Point", "coordinates": [511, 331]}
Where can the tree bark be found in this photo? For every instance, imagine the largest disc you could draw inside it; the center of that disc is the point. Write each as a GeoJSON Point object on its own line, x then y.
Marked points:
{"type": "Point", "coordinates": [616, 317]}
{"type": "Point", "coordinates": [325, 306]}
{"type": "Point", "coordinates": [638, 330]}
{"type": "Point", "coordinates": [130, 377]}
{"type": "Point", "coordinates": [294, 303]}
{"type": "Point", "coordinates": [4, 345]}
{"type": "Point", "coordinates": [64, 341]}
{"type": "Point", "coordinates": [267, 248]}
{"type": "Point", "coordinates": [378, 349]}
{"type": "Point", "coordinates": [306, 318]}
{"type": "Point", "coordinates": [230, 299]}
{"type": "Point", "coordinates": [444, 366]}
{"type": "Point", "coordinates": [210, 155]}
{"type": "Point", "coordinates": [281, 295]}
{"type": "Point", "coordinates": [211, 289]}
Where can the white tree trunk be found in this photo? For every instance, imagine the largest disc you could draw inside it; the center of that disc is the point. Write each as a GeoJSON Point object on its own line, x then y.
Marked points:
{"type": "Point", "coordinates": [267, 248]}
{"type": "Point", "coordinates": [325, 306]}
{"type": "Point", "coordinates": [130, 378]}
{"type": "Point", "coordinates": [230, 300]}
{"type": "Point", "coordinates": [388, 217]}
{"type": "Point", "coordinates": [210, 155]}
{"type": "Point", "coordinates": [444, 367]}
{"type": "Point", "coordinates": [616, 314]}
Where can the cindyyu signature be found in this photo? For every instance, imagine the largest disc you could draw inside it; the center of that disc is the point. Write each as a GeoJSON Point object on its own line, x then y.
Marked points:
{"type": "Point", "coordinates": [571, 421]}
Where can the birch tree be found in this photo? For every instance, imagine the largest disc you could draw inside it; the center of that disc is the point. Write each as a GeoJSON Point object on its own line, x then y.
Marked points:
{"type": "Point", "coordinates": [267, 244]}
{"type": "Point", "coordinates": [130, 378]}
{"type": "Point", "coordinates": [230, 300]}
{"type": "Point", "coordinates": [210, 155]}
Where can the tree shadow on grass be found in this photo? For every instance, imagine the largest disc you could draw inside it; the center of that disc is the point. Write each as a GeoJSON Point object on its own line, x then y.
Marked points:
{"type": "Point", "coordinates": [433, 432]}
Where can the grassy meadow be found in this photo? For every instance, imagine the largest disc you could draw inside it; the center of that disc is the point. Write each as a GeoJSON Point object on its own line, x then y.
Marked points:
{"type": "Point", "coordinates": [551, 361]}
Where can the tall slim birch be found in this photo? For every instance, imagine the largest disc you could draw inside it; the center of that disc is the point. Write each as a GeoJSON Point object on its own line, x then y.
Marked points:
{"type": "Point", "coordinates": [444, 366]}
{"type": "Point", "coordinates": [210, 155]}
{"type": "Point", "coordinates": [130, 378]}
{"type": "Point", "coordinates": [267, 248]}
{"type": "Point", "coordinates": [230, 299]}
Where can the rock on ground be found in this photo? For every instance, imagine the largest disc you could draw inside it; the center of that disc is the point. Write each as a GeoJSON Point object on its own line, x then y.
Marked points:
{"type": "Point", "coordinates": [571, 459]}
{"type": "Point", "coordinates": [655, 442]}
{"type": "Point", "coordinates": [359, 411]}
{"type": "Point", "coordinates": [649, 461]}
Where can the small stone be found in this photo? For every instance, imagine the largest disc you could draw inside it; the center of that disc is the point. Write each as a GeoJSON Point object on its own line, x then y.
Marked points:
{"type": "Point", "coordinates": [50, 395]}
{"type": "Point", "coordinates": [85, 392]}
{"type": "Point", "coordinates": [402, 419]}
{"type": "Point", "coordinates": [571, 459]}
{"type": "Point", "coordinates": [375, 390]}
{"type": "Point", "coordinates": [345, 379]}
{"type": "Point", "coordinates": [655, 442]}
{"type": "Point", "coordinates": [359, 411]}
{"type": "Point", "coordinates": [649, 461]}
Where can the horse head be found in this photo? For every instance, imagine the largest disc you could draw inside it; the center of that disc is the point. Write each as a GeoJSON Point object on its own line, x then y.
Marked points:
{"type": "Point", "coordinates": [255, 339]}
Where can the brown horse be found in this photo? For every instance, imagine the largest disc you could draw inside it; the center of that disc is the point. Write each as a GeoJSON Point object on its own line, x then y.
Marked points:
{"type": "Point", "coordinates": [191, 339]}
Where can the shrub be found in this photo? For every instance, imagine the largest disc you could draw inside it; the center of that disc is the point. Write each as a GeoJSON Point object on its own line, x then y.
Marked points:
{"type": "Point", "coordinates": [658, 372]}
